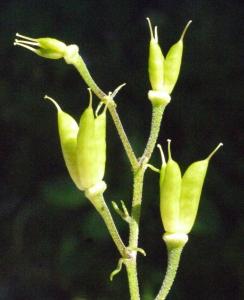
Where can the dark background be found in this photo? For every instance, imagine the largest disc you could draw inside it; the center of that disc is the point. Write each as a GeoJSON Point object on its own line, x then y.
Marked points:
{"type": "Point", "coordinates": [53, 245]}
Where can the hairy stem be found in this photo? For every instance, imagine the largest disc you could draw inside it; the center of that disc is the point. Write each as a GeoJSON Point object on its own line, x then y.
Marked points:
{"type": "Point", "coordinates": [81, 67]}
{"type": "Point", "coordinates": [127, 146]}
{"type": "Point", "coordinates": [157, 114]}
{"type": "Point", "coordinates": [137, 195]}
{"type": "Point", "coordinates": [99, 203]}
{"type": "Point", "coordinates": [132, 279]}
{"type": "Point", "coordinates": [138, 171]}
{"type": "Point", "coordinates": [173, 263]}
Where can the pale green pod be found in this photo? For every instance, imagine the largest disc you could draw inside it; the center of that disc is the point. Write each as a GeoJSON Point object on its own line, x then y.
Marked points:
{"type": "Point", "coordinates": [170, 189]}
{"type": "Point", "coordinates": [68, 130]}
{"type": "Point", "coordinates": [100, 140]}
{"type": "Point", "coordinates": [86, 151]}
{"type": "Point", "coordinates": [163, 167]}
{"type": "Point", "coordinates": [192, 183]}
{"type": "Point", "coordinates": [155, 61]}
{"type": "Point", "coordinates": [46, 47]}
{"type": "Point", "coordinates": [91, 147]}
{"type": "Point", "coordinates": [172, 63]}
{"type": "Point", "coordinates": [52, 45]}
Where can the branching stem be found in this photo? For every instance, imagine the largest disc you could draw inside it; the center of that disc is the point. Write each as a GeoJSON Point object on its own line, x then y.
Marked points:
{"type": "Point", "coordinates": [138, 177]}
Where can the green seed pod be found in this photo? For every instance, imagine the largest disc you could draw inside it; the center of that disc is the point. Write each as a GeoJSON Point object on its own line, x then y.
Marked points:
{"type": "Point", "coordinates": [156, 61]}
{"type": "Point", "coordinates": [86, 156]}
{"type": "Point", "coordinates": [100, 138]}
{"type": "Point", "coordinates": [52, 45]}
{"type": "Point", "coordinates": [68, 130]}
{"type": "Point", "coordinates": [191, 188]}
{"type": "Point", "coordinates": [83, 146]}
{"type": "Point", "coordinates": [91, 148]}
{"type": "Point", "coordinates": [170, 189]}
{"type": "Point", "coordinates": [47, 47]}
{"type": "Point", "coordinates": [172, 63]}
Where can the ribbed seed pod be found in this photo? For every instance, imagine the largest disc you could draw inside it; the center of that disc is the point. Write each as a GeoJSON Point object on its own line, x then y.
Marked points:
{"type": "Point", "coordinates": [91, 147]}
{"type": "Point", "coordinates": [83, 147]}
{"type": "Point", "coordinates": [170, 188]}
{"type": "Point", "coordinates": [191, 189]}
{"type": "Point", "coordinates": [100, 137]}
{"type": "Point", "coordinates": [52, 44]}
{"type": "Point", "coordinates": [179, 197]}
{"type": "Point", "coordinates": [86, 151]}
{"type": "Point", "coordinates": [68, 130]}
{"type": "Point", "coordinates": [172, 63]}
{"type": "Point", "coordinates": [155, 61]}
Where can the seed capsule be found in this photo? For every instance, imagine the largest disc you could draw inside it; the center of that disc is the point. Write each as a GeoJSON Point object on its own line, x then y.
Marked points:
{"type": "Point", "coordinates": [156, 61]}
{"type": "Point", "coordinates": [91, 147]}
{"type": "Point", "coordinates": [83, 146]}
{"type": "Point", "coordinates": [68, 130]}
{"type": "Point", "coordinates": [172, 63]}
{"type": "Point", "coordinates": [48, 47]}
{"type": "Point", "coordinates": [179, 197]}
{"type": "Point", "coordinates": [170, 187]}
{"type": "Point", "coordinates": [191, 189]}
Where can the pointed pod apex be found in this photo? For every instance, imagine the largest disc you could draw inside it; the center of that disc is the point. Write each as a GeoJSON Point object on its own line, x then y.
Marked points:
{"type": "Point", "coordinates": [214, 151]}
{"type": "Point", "coordinates": [54, 102]}
{"type": "Point", "coordinates": [169, 149]}
{"type": "Point", "coordinates": [154, 35]}
{"type": "Point", "coordinates": [90, 97]}
{"type": "Point", "coordinates": [162, 154]}
{"type": "Point", "coordinates": [185, 29]}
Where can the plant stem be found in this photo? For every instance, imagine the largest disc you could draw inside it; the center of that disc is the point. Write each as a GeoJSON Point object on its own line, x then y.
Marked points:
{"type": "Point", "coordinates": [80, 66]}
{"type": "Point", "coordinates": [173, 263]}
{"type": "Point", "coordinates": [127, 146]}
{"type": "Point", "coordinates": [157, 114]}
{"type": "Point", "coordinates": [139, 169]}
{"type": "Point", "coordinates": [99, 203]}
{"type": "Point", "coordinates": [132, 278]}
{"type": "Point", "coordinates": [138, 178]}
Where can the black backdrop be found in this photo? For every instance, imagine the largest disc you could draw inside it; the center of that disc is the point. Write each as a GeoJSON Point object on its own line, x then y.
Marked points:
{"type": "Point", "coordinates": [52, 243]}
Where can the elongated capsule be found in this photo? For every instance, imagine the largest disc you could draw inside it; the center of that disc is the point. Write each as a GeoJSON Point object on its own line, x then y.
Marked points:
{"type": "Point", "coordinates": [91, 147]}
{"type": "Point", "coordinates": [100, 138]}
{"type": "Point", "coordinates": [191, 188]}
{"type": "Point", "coordinates": [83, 146]}
{"type": "Point", "coordinates": [47, 47]}
{"type": "Point", "coordinates": [172, 63]}
{"type": "Point", "coordinates": [170, 189]}
{"type": "Point", "coordinates": [68, 130]}
{"type": "Point", "coordinates": [156, 61]}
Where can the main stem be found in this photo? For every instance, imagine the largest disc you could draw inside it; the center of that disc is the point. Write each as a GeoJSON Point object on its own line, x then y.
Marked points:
{"type": "Point", "coordinates": [131, 265]}
{"type": "Point", "coordinates": [138, 177]}
{"type": "Point", "coordinates": [157, 114]}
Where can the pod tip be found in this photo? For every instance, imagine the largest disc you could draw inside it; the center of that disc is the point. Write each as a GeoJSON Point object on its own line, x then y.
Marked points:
{"type": "Point", "coordinates": [169, 149]}
{"type": "Point", "coordinates": [54, 102]}
{"type": "Point", "coordinates": [185, 29]}
{"type": "Point", "coordinates": [162, 154]}
{"type": "Point", "coordinates": [214, 151]}
{"type": "Point", "coordinates": [154, 36]}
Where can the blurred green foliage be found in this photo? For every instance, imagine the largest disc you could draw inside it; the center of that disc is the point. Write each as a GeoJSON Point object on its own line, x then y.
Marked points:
{"type": "Point", "coordinates": [53, 245]}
